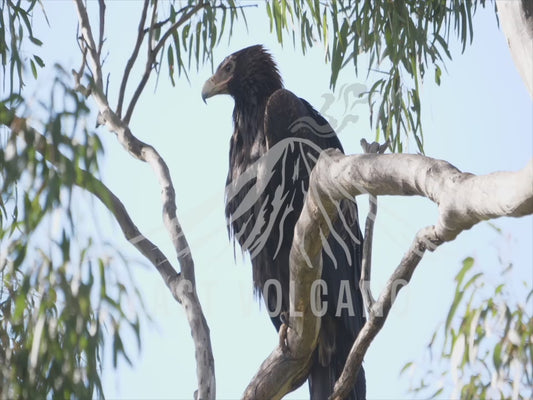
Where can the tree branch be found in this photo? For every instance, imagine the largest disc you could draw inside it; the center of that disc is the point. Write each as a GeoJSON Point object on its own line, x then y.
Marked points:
{"type": "Point", "coordinates": [366, 262]}
{"type": "Point", "coordinates": [182, 289]}
{"type": "Point", "coordinates": [152, 54]}
{"type": "Point", "coordinates": [151, 30]}
{"type": "Point", "coordinates": [287, 367]}
{"type": "Point", "coordinates": [133, 58]}
{"type": "Point", "coordinates": [101, 6]}
{"type": "Point", "coordinates": [142, 151]}
{"type": "Point", "coordinates": [87, 181]}
{"type": "Point", "coordinates": [463, 200]}
{"type": "Point", "coordinates": [424, 240]}
{"type": "Point", "coordinates": [87, 35]}
{"type": "Point", "coordinates": [517, 25]}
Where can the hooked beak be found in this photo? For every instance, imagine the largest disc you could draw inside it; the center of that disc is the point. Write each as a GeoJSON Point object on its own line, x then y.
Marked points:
{"type": "Point", "coordinates": [212, 88]}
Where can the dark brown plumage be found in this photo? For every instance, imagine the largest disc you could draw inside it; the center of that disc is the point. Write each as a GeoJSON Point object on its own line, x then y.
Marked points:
{"type": "Point", "coordinates": [275, 144]}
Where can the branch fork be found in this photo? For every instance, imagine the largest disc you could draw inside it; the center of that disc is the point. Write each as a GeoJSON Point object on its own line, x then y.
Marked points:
{"type": "Point", "coordinates": [182, 285]}
{"type": "Point", "coordinates": [462, 201]}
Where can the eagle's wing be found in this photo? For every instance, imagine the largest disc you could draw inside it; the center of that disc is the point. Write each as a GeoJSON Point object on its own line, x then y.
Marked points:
{"type": "Point", "coordinates": [294, 125]}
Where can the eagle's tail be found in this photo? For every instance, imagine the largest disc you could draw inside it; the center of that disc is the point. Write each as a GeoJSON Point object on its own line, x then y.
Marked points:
{"type": "Point", "coordinates": [324, 374]}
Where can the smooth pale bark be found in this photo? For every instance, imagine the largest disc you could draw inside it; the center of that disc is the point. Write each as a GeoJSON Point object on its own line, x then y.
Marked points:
{"type": "Point", "coordinates": [182, 285]}
{"type": "Point", "coordinates": [463, 200]}
{"type": "Point", "coordinates": [516, 19]}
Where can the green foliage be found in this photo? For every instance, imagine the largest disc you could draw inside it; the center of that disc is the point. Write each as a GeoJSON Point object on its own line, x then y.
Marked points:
{"type": "Point", "coordinates": [25, 164]}
{"type": "Point", "coordinates": [204, 25]}
{"type": "Point", "coordinates": [487, 349]}
{"type": "Point", "coordinates": [59, 296]}
{"type": "Point", "coordinates": [15, 27]}
{"type": "Point", "coordinates": [402, 39]}
{"type": "Point", "coordinates": [51, 330]}
{"type": "Point", "coordinates": [63, 291]}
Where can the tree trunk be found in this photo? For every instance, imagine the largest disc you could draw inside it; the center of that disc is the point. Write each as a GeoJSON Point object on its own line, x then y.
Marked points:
{"type": "Point", "coordinates": [516, 18]}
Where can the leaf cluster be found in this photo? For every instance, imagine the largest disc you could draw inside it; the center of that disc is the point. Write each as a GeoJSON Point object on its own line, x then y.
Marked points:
{"type": "Point", "coordinates": [28, 181]}
{"type": "Point", "coordinates": [59, 298]}
{"type": "Point", "coordinates": [193, 44]}
{"type": "Point", "coordinates": [15, 28]}
{"type": "Point", "coordinates": [401, 39]}
{"type": "Point", "coordinates": [487, 349]}
{"type": "Point", "coordinates": [186, 35]}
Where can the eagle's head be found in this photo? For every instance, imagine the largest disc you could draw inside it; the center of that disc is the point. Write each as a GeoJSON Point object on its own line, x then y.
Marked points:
{"type": "Point", "coordinates": [245, 74]}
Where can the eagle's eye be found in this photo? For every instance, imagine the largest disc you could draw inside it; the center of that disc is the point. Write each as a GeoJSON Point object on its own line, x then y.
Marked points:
{"type": "Point", "coordinates": [226, 67]}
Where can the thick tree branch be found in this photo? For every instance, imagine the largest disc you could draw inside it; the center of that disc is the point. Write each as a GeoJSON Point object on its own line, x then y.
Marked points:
{"type": "Point", "coordinates": [463, 200]}
{"type": "Point", "coordinates": [142, 151]}
{"type": "Point", "coordinates": [516, 19]}
{"type": "Point", "coordinates": [286, 369]}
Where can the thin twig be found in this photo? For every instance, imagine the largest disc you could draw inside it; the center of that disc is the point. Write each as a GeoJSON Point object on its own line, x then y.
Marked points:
{"type": "Point", "coordinates": [133, 58]}
{"type": "Point", "coordinates": [366, 267]}
{"type": "Point", "coordinates": [79, 74]}
{"type": "Point", "coordinates": [101, 4]}
{"type": "Point", "coordinates": [87, 36]}
{"type": "Point", "coordinates": [152, 56]}
{"type": "Point", "coordinates": [162, 23]}
{"type": "Point", "coordinates": [151, 29]}
{"type": "Point", "coordinates": [158, 25]}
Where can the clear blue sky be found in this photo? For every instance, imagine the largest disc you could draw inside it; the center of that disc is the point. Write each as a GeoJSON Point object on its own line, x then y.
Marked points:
{"type": "Point", "coordinates": [479, 119]}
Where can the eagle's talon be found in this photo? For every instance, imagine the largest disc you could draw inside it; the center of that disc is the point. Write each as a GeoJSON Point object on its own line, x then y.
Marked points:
{"type": "Point", "coordinates": [283, 343]}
